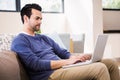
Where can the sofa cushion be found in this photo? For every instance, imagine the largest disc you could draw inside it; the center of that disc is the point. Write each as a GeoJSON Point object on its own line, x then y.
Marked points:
{"type": "Point", "coordinates": [5, 41]}
{"type": "Point", "coordinates": [78, 42]}
{"type": "Point", "coordinates": [10, 67]}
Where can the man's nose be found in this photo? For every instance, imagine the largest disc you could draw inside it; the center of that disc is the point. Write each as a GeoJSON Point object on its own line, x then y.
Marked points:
{"type": "Point", "coordinates": [40, 21]}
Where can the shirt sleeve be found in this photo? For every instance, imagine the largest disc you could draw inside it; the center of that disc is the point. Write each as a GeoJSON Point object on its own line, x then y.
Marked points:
{"type": "Point", "coordinates": [29, 59]}
{"type": "Point", "coordinates": [61, 52]}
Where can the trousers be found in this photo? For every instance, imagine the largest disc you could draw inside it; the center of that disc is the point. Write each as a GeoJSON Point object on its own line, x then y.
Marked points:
{"type": "Point", "coordinates": [106, 69]}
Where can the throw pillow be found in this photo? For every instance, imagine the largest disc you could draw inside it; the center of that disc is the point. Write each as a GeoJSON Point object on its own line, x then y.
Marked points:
{"type": "Point", "coordinates": [57, 39]}
{"type": "Point", "coordinates": [5, 41]}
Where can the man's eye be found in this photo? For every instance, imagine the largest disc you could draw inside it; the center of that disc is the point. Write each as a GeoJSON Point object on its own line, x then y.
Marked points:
{"type": "Point", "coordinates": [37, 18]}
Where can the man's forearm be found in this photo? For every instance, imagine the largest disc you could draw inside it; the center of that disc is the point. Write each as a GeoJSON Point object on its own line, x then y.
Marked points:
{"type": "Point", "coordinates": [55, 64]}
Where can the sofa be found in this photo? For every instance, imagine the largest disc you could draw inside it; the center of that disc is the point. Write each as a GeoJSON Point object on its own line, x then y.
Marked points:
{"type": "Point", "coordinates": [10, 65]}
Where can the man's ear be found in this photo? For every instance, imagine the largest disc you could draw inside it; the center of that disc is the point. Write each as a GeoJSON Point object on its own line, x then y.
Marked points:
{"type": "Point", "coordinates": [25, 18]}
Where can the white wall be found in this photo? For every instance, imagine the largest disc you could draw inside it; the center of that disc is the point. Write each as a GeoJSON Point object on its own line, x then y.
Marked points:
{"type": "Point", "coordinates": [54, 23]}
{"type": "Point", "coordinates": [79, 14]}
{"type": "Point", "coordinates": [10, 22]}
{"type": "Point", "coordinates": [111, 20]}
{"type": "Point", "coordinates": [113, 46]}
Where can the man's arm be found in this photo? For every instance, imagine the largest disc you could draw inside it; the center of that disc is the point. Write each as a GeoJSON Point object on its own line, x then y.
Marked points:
{"type": "Point", "coordinates": [55, 64]}
{"type": "Point", "coordinates": [82, 56]}
{"type": "Point", "coordinates": [72, 60]}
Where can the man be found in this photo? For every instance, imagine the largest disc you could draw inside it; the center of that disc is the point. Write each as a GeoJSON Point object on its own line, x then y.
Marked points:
{"type": "Point", "coordinates": [43, 58]}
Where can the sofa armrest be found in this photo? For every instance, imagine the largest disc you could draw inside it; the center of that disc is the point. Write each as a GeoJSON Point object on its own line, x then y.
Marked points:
{"type": "Point", "coordinates": [10, 67]}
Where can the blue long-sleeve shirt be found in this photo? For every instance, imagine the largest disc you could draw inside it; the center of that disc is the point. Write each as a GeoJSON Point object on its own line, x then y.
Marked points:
{"type": "Point", "coordinates": [36, 52]}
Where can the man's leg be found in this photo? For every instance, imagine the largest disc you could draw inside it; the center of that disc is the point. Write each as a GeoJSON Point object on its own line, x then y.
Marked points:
{"type": "Point", "coordinates": [112, 68]}
{"type": "Point", "coordinates": [95, 71]}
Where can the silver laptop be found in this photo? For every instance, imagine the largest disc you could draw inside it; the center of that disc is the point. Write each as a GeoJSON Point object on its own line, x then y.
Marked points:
{"type": "Point", "coordinates": [97, 54]}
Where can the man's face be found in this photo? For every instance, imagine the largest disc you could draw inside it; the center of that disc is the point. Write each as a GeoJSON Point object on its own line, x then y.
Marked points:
{"type": "Point", "coordinates": [35, 20]}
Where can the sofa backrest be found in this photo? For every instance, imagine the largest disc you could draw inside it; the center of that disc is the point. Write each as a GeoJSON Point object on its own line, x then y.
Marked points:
{"type": "Point", "coordinates": [63, 39]}
{"type": "Point", "coordinates": [78, 42]}
{"type": "Point", "coordinates": [10, 67]}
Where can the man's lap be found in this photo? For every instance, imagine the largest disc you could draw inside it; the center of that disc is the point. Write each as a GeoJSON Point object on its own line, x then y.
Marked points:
{"type": "Point", "coordinates": [80, 72]}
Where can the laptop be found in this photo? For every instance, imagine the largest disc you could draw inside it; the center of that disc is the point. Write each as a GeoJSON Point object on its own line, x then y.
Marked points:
{"type": "Point", "coordinates": [97, 54]}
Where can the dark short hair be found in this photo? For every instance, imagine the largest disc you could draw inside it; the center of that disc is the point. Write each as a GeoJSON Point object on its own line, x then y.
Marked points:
{"type": "Point", "coordinates": [27, 10]}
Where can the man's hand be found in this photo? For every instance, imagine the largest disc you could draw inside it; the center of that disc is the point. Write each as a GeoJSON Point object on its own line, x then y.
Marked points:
{"type": "Point", "coordinates": [81, 57]}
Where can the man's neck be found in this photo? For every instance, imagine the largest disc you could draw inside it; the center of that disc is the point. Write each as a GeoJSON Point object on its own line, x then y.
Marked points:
{"type": "Point", "coordinates": [28, 32]}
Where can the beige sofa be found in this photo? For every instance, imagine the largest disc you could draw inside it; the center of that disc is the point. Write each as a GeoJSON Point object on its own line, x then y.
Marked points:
{"type": "Point", "coordinates": [10, 66]}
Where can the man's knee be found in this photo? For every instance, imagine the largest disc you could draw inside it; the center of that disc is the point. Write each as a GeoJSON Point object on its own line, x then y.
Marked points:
{"type": "Point", "coordinates": [109, 62]}
{"type": "Point", "coordinates": [100, 67]}
{"type": "Point", "coordinates": [99, 70]}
